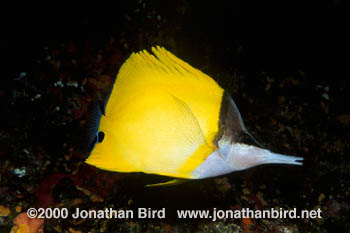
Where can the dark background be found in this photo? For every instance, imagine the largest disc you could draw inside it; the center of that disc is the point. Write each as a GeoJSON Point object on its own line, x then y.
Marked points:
{"type": "Point", "coordinates": [284, 62]}
{"type": "Point", "coordinates": [287, 35]}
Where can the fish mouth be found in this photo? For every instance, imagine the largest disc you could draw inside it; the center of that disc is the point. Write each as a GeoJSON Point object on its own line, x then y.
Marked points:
{"type": "Point", "coordinates": [284, 159]}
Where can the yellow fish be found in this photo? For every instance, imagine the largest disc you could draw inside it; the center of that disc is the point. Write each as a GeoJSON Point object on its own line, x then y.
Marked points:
{"type": "Point", "coordinates": [165, 117]}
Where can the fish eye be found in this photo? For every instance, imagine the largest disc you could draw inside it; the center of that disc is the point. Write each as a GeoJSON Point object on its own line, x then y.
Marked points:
{"type": "Point", "coordinates": [100, 136]}
{"type": "Point", "coordinates": [246, 139]}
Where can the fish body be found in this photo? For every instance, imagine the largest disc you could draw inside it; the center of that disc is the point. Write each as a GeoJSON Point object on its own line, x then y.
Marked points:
{"type": "Point", "coordinates": [165, 117]}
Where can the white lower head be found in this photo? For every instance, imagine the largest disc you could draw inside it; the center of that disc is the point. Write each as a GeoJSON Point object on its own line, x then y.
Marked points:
{"type": "Point", "coordinates": [242, 156]}
{"type": "Point", "coordinates": [238, 156]}
{"type": "Point", "coordinates": [236, 148]}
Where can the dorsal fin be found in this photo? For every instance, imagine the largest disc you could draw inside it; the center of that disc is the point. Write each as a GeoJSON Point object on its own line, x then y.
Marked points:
{"type": "Point", "coordinates": [159, 68]}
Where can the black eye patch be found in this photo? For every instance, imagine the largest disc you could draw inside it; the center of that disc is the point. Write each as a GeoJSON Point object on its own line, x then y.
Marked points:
{"type": "Point", "coordinates": [100, 136]}
{"type": "Point", "coordinates": [247, 139]}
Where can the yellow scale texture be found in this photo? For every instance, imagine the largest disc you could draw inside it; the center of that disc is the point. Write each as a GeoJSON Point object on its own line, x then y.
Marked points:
{"type": "Point", "coordinates": [162, 117]}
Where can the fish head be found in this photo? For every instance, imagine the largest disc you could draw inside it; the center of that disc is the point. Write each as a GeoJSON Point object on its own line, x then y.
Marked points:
{"type": "Point", "coordinates": [241, 156]}
{"type": "Point", "coordinates": [238, 148]}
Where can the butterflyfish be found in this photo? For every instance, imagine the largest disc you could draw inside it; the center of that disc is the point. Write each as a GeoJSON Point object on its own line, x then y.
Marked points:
{"type": "Point", "coordinates": [165, 117]}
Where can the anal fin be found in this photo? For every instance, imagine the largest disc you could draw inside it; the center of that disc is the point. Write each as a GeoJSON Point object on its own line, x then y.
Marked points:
{"type": "Point", "coordinates": [168, 183]}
